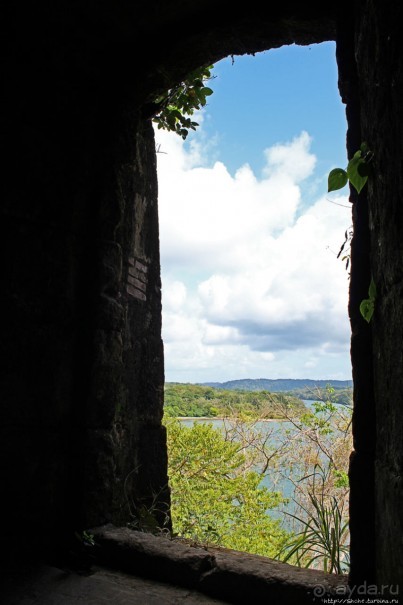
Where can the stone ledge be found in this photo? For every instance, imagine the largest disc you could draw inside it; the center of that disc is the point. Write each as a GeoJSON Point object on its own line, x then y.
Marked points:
{"type": "Point", "coordinates": [221, 573]}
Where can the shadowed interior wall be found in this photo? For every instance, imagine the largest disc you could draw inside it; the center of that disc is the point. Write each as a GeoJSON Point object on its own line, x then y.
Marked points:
{"type": "Point", "coordinates": [82, 384]}
{"type": "Point", "coordinates": [380, 76]}
{"type": "Point", "coordinates": [82, 376]}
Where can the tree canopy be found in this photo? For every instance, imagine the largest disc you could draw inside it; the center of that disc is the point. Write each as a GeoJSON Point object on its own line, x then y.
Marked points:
{"type": "Point", "coordinates": [215, 500]}
{"type": "Point", "coordinates": [192, 400]}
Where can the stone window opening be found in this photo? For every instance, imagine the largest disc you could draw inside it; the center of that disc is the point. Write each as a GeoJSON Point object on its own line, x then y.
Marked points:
{"type": "Point", "coordinates": [83, 373]}
{"type": "Point", "coordinates": [160, 149]}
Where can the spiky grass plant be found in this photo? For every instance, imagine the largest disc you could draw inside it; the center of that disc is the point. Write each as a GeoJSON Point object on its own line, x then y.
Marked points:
{"type": "Point", "coordinates": [324, 537]}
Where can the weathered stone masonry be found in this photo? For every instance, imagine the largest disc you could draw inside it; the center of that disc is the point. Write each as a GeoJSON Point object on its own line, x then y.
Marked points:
{"type": "Point", "coordinates": [82, 379]}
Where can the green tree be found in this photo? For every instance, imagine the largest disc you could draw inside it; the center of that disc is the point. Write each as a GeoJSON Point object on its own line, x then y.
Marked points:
{"type": "Point", "coordinates": [214, 499]}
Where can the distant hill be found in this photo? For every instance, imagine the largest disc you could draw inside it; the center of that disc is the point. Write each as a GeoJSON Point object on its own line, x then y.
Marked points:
{"type": "Point", "coordinates": [279, 385]}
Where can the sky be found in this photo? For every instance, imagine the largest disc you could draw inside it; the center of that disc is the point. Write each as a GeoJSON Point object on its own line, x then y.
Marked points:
{"type": "Point", "coordinates": [251, 283]}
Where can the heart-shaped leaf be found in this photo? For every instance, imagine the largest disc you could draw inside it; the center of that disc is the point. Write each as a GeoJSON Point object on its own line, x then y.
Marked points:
{"type": "Point", "coordinates": [337, 179]}
{"type": "Point", "coordinates": [355, 168]}
{"type": "Point", "coordinates": [367, 307]}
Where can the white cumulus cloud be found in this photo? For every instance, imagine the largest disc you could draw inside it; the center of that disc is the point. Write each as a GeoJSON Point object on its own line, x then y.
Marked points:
{"type": "Point", "coordinates": [251, 283]}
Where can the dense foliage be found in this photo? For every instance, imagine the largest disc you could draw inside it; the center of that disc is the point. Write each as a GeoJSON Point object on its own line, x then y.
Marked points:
{"type": "Point", "coordinates": [228, 484]}
{"type": "Point", "coordinates": [191, 400]}
{"type": "Point", "coordinates": [216, 499]}
{"type": "Point", "coordinates": [182, 100]}
{"type": "Point", "coordinates": [342, 396]}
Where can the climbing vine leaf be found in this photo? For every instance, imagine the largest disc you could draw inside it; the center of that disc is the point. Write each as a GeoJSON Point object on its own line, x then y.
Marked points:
{"type": "Point", "coordinates": [357, 171]}
{"type": "Point", "coordinates": [367, 306]}
{"type": "Point", "coordinates": [175, 107]}
{"type": "Point", "coordinates": [337, 179]}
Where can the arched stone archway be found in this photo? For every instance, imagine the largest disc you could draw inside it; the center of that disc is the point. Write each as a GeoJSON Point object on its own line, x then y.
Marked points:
{"type": "Point", "coordinates": [83, 374]}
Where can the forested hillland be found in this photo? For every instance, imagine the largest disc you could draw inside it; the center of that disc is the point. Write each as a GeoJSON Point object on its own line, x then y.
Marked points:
{"type": "Point", "coordinates": [301, 388]}
{"type": "Point", "coordinates": [192, 400]}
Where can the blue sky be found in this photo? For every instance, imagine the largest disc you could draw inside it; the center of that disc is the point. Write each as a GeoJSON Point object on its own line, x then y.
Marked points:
{"type": "Point", "coordinates": [270, 97]}
{"type": "Point", "coordinates": [249, 236]}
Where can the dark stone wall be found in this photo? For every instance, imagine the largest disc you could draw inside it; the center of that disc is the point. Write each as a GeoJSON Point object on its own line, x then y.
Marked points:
{"type": "Point", "coordinates": [380, 73]}
{"type": "Point", "coordinates": [123, 443]}
{"type": "Point", "coordinates": [82, 379]}
{"type": "Point", "coordinates": [361, 472]}
{"type": "Point", "coordinates": [371, 83]}
{"type": "Point", "coordinates": [82, 370]}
